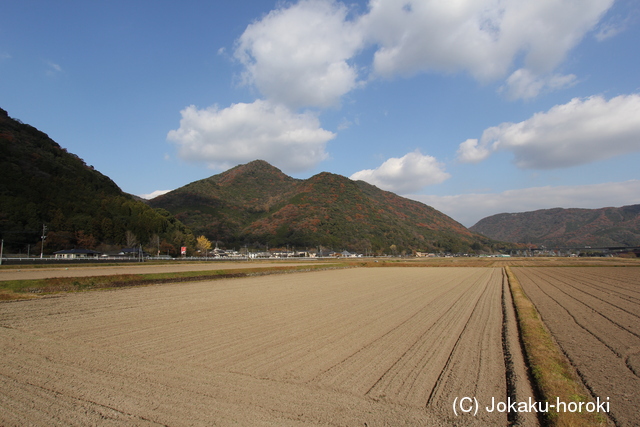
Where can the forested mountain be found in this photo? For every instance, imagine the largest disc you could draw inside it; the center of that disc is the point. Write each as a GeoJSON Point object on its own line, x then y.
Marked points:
{"type": "Point", "coordinates": [257, 205]}
{"type": "Point", "coordinates": [253, 204]}
{"type": "Point", "coordinates": [42, 183]}
{"type": "Point", "coordinates": [605, 227]}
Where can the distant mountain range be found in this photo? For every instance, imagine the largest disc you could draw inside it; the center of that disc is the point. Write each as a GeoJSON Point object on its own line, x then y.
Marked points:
{"type": "Point", "coordinates": [258, 205]}
{"type": "Point", "coordinates": [605, 227]}
{"type": "Point", "coordinates": [43, 184]}
{"type": "Point", "coordinates": [253, 204]}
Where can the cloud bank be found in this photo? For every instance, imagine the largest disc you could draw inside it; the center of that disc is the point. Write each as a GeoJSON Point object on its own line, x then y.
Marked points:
{"type": "Point", "coordinates": [405, 174]}
{"type": "Point", "coordinates": [312, 53]}
{"type": "Point", "coordinates": [154, 194]}
{"type": "Point", "coordinates": [223, 138]}
{"type": "Point", "coordinates": [529, 199]}
{"type": "Point", "coordinates": [303, 54]}
{"type": "Point", "coordinates": [579, 132]}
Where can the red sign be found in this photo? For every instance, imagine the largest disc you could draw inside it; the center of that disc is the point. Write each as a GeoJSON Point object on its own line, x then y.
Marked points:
{"type": "Point", "coordinates": [183, 250]}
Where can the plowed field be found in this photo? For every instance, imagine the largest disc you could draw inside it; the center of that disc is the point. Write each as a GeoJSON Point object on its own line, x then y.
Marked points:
{"type": "Point", "coordinates": [142, 268]}
{"type": "Point", "coordinates": [594, 314]}
{"type": "Point", "coordinates": [377, 346]}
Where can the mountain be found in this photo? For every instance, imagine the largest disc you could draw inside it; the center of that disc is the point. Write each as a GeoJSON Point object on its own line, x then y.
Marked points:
{"type": "Point", "coordinates": [42, 183]}
{"type": "Point", "coordinates": [258, 205]}
{"type": "Point", "coordinates": [605, 227]}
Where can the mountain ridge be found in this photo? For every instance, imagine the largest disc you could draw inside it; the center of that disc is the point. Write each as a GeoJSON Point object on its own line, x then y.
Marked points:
{"type": "Point", "coordinates": [566, 227]}
{"type": "Point", "coordinates": [252, 204]}
{"type": "Point", "coordinates": [258, 204]}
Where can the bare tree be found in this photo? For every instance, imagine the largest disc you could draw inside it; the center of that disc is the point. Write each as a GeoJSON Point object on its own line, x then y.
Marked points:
{"type": "Point", "coordinates": [131, 238]}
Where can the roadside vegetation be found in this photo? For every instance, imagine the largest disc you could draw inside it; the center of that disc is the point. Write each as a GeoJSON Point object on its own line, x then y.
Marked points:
{"type": "Point", "coordinates": [553, 374]}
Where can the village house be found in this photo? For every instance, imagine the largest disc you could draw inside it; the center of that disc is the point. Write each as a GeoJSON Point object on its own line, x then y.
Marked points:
{"type": "Point", "coordinates": [76, 253]}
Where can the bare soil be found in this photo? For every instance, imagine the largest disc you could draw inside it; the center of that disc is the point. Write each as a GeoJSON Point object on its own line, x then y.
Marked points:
{"type": "Point", "coordinates": [356, 347]}
{"type": "Point", "coordinates": [41, 272]}
{"type": "Point", "coordinates": [594, 315]}
{"type": "Point", "coordinates": [29, 273]}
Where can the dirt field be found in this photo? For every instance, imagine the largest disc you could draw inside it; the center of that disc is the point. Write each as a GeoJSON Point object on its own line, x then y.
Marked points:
{"type": "Point", "coordinates": [357, 347]}
{"type": "Point", "coordinates": [594, 314]}
{"type": "Point", "coordinates": [43, 272]}
{"type": "Point", "coordinates": [28, 273]}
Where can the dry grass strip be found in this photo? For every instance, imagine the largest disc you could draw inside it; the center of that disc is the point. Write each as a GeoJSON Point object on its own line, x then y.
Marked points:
{"type": "Point", "coordinates": [25, 289]}
{"type": "Point", "coordinates": [554, 376]}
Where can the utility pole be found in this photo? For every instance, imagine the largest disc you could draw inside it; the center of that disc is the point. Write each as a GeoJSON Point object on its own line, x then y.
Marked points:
{"type": "Point", "coordinates": [44, 236]}
{"type": "Point", "coordinates": [1, 250]}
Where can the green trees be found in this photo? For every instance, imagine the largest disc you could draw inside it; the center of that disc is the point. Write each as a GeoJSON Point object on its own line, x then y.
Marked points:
{"type": "Point", "coordinates": [41, 183]}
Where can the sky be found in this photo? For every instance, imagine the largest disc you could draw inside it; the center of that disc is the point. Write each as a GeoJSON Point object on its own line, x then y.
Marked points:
{"type": "Point", "coordinates": [474, 107]}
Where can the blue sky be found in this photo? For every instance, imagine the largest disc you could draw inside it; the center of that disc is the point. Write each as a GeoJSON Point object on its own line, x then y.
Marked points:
{"type": "Point", "coordinates": [474, 107]}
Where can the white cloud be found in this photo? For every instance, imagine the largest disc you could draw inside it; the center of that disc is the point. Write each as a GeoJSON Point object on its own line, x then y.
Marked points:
{"type": "Point", "coordinates": [53, 68]}
{"type": "Point", "coordinates": [470, 208]}
{"type": "Point", "coordinates": [607, 31]}
{"type": "Point", "coordinates": [616, 24]}
{"type": "Point", "coordinates": [298, 55]}
{"type": "Point", "coordinates": [303, 54]}
{"type": "Point", "coordinates": [523, 84]}
{"type": "Point", "coordinates": [154, 194]}
{"type": "Point", "coordinates": [482, 37]}
{"type": "Point", "coordinates": [246, 132]}
{"type": "Point", "coordinates": [405, 174]}
{"type": "Point", "coordinates": [470, 152]}
{"type": "Point", "coordinates": [344, 124]}
{"type": "Point", "coordinates": [579, 132]}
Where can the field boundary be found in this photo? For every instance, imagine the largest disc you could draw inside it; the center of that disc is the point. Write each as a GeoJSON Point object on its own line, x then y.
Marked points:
{"type": "Point", "coordinates": [22, 289]}
{"type": "Point", "coordinates": [553, 374]}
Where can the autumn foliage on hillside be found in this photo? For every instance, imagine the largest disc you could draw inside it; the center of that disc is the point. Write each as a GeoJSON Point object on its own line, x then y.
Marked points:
{"type": "Point", "coordinates": [256, 204]}
{"type": "Point", "coordinates": [604, 227]}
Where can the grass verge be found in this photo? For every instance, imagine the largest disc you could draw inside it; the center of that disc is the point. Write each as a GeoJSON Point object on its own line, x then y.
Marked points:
{"type": "Point", "coordinates": [552, 372]}
{"type": "Point", "coordinates": [23, 289]}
